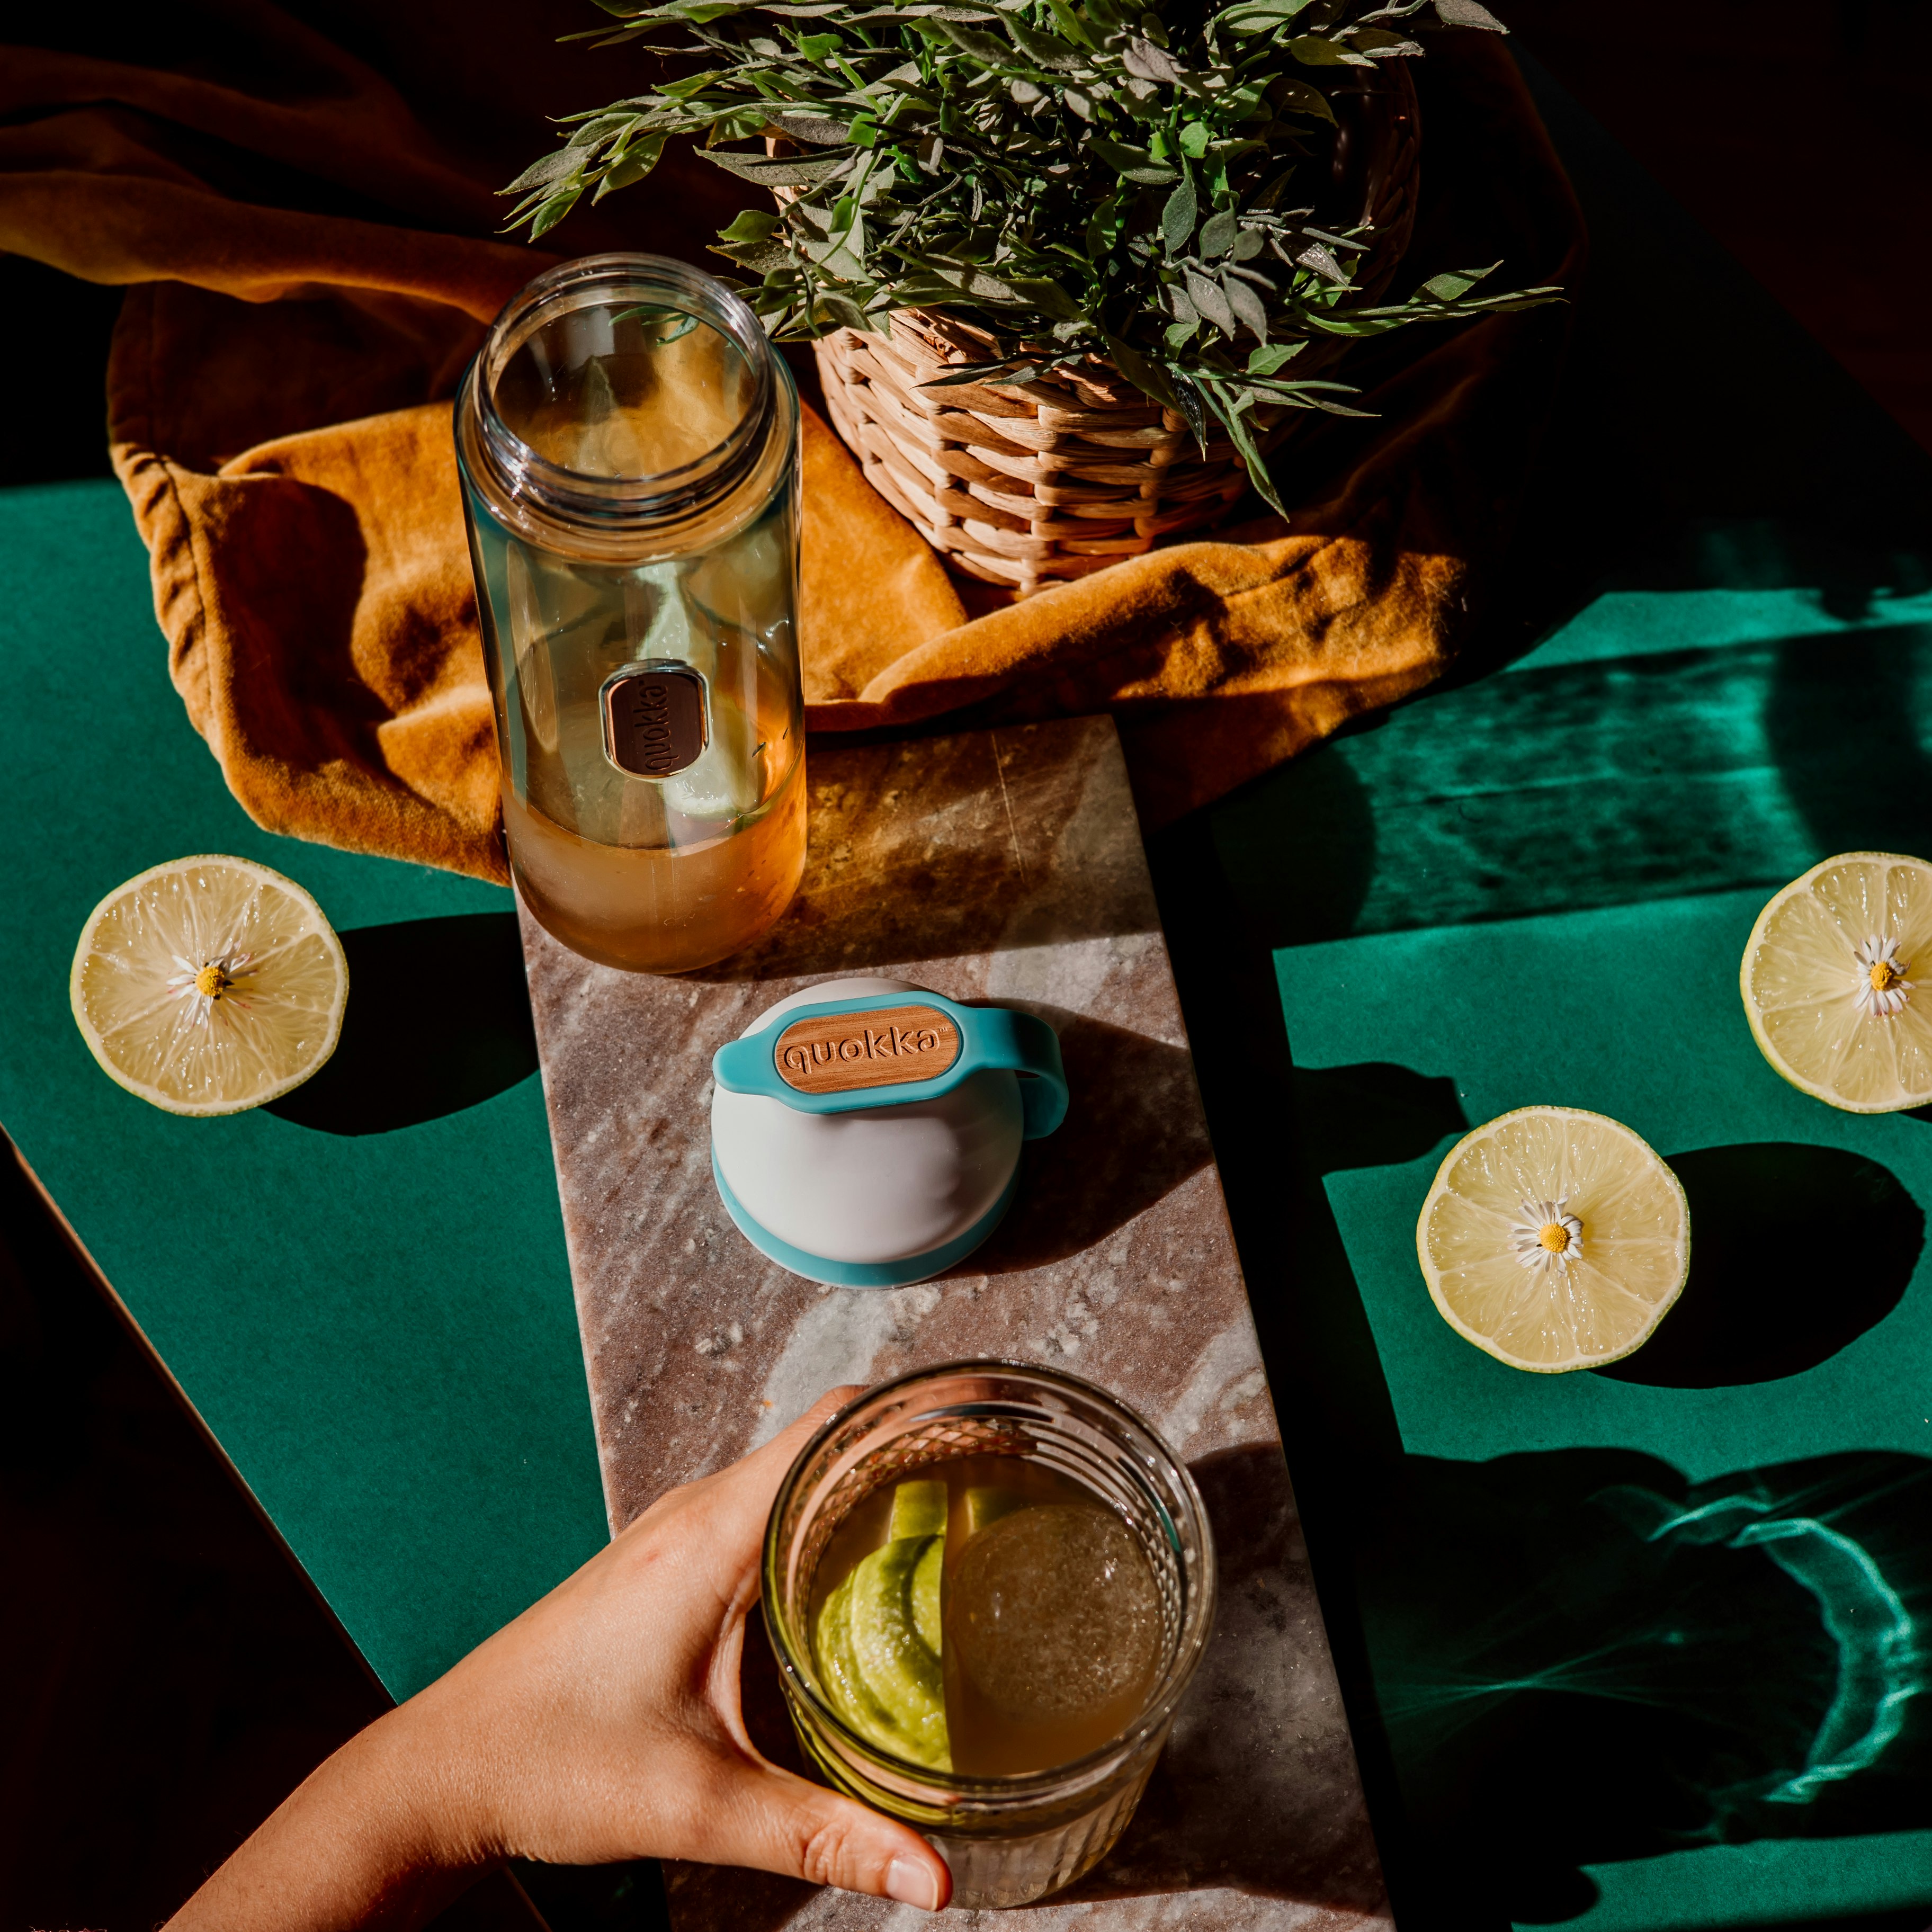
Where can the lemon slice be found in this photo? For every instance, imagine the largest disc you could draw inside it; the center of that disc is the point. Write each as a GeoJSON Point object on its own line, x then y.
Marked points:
{"type": "Point", "coordinates": [1828, 986]}
{"type": "Point", "coordinates": [1554, 1239]}
{"type": "Point", "coordinates": [209, 985]}
{"type": "Point", "coordinates": [879, 1635]}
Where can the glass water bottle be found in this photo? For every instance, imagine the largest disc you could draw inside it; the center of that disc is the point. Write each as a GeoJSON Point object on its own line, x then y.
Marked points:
{"type": "Point", "coordinates": [629, 450]}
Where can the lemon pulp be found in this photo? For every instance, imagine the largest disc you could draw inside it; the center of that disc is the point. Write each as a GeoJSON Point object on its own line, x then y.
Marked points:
{"type": "Point", "coordinates": [1554, 1239]}
{"type": "Point", "coordinates": [1836, 981]}
{"type": "Point", "coordinates": [208, 984]}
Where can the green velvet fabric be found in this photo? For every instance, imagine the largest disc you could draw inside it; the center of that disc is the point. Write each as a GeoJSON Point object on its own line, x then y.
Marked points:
{"type": "Point", "coordinates": [363, 1292]}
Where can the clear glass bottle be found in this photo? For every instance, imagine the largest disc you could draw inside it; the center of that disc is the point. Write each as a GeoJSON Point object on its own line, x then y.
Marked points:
{"type": "Point", "coordinates": [1013, 1838]}
{"type": "Point", "coordinates": [629, 444]}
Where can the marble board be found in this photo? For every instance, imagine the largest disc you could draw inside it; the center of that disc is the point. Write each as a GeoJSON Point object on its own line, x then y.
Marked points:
{"type": "Point", "coordinates": [998, 864]}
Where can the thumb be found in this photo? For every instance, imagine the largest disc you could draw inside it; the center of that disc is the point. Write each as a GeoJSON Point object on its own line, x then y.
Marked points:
{"type": "Point", "coordinates": [785, 1825]}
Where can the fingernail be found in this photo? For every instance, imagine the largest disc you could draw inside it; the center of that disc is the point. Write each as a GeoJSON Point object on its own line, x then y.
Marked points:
{"type": "Point", "coordinates": [912, 1883]}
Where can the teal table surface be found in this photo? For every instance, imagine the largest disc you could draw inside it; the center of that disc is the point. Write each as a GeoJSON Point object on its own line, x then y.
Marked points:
{"type": "Point", "coordinates": [1714, 667]}
{"type": "Point", "coordinates": [363, 1294]}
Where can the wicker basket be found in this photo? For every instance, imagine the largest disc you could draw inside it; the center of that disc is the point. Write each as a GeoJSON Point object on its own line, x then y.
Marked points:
{"type": "Point", "coordinates": [1020, 484]}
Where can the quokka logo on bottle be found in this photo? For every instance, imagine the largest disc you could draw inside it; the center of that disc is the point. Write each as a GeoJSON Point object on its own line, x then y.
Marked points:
{"type": "Point", "coordinates": [835, 1051]}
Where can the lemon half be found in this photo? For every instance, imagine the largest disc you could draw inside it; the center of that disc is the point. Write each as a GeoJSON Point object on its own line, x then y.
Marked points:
{"type": "Point", "coordinates": [1554, 1239]}
{"type": "Point", "coordinates": [1828, 987]}
{"type": "Point", "coordinates": [209, 985]}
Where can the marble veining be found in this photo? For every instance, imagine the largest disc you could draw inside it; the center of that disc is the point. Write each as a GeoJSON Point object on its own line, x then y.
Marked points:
{"type": "Point", "coordinates": [999, 864]}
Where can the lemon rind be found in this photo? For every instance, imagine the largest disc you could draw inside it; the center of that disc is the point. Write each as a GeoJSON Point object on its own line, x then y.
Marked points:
{"type": "Point", "coordinates": [1788, 1074]}
{"type": "Point", "coordinates": [1439, 1186]}
{"type": "Point", "coordinates": [208, 1109]}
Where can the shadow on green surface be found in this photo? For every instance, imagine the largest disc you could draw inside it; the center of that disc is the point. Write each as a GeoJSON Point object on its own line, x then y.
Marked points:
{"type": "Point", "coordinates": [439, 1020]}
{"type": "Point", "coordinates": [1583, 1659]}
{"type": "Point", "coordinates": [1375, 1114]}
{"type": "Point", "coordinates": [1850, 744]}
{"type": "Point", "coordinates": [1566, 786]}
{"type": "Point", "coordinates": [1769, 1294]}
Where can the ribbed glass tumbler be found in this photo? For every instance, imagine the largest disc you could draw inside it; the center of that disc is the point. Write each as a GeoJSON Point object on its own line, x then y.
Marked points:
{"type": "Point", "coordinates": [1009, 1840]}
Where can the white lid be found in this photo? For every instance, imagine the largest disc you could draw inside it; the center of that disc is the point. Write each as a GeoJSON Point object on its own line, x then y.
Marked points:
{"type": "Point", "coordinates": [881, 1184]}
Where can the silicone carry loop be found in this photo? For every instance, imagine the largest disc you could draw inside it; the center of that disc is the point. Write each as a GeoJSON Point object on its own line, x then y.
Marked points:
{"type": "Point", "coordinates": [990, 1038]}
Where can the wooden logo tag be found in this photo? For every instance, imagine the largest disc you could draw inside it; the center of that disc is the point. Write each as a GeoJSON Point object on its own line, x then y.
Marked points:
{"type": "Point", "coordinates": [654, 722]}
{"type": "Point", "coordinates": [837, 1053]}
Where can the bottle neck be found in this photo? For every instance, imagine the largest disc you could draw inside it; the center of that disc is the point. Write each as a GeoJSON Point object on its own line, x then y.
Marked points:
{"type": "Point", "coordinates": [537, 407]}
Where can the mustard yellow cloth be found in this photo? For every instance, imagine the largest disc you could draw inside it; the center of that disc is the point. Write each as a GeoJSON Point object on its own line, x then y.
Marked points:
{"type": "Point", "coordinates": [302, 204]}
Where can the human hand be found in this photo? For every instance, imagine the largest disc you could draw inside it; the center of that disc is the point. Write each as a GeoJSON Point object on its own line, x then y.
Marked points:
{"type": "Point", "coordinates": [603, 1724]}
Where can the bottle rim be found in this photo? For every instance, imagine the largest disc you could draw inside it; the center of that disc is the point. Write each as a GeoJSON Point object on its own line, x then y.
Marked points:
{"type": "Point", "coordinates": [619, 504]}
{"type": "Point", "coordinates": [901, 1777]}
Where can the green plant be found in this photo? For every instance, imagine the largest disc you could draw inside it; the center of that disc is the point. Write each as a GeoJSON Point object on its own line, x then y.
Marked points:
{"type": "Point", "coordinates": [1075, 178]}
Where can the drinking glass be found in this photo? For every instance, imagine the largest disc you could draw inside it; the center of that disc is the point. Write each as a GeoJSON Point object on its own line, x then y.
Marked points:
{"type": "Point", "coordinates": [629, 446]}
{"type": "Point", "coordinates": [1009, 1840]}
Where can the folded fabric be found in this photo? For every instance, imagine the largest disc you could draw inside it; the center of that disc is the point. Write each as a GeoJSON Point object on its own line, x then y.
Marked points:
{"type": "Point", "coordinates": [306, 217]}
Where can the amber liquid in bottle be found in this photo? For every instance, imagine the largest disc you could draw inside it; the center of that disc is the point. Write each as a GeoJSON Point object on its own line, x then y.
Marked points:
{"type": "Point", "coordinates": [621, 388]}
{"type": "Point", "coordinates": [666, 908]}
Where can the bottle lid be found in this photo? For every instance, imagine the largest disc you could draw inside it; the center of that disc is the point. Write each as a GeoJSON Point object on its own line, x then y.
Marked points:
{"type": "Point", "coordinates": [867, 1132]}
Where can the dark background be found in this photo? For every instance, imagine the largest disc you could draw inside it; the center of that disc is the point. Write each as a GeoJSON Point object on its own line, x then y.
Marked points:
{"type": "Point", "coordinates": [168, 1674]}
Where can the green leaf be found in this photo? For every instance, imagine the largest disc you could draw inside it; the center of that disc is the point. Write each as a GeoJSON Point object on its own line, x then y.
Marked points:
{"type": "Point", "coordinates": [1298, 96]}
{"type": "Point", "coordinates": [1145, 61]}
{"type": "Point", "coordinates": [1046, 50]}
{"type": "Point", "coordinates": [983, 47]}
{"type": "Point", "coordinates": [1210, 299]}
{"type": "Point", "coordinates": [1194, 140]}
{"type": "Point", "coordinates": [1145, 375]}
{"type": "Point", "coordinates": [552, 211]}
{"type": "Point", "coordinates": [1176, 217]}
{"type": "Point", "coordinates": [1133, 162]}
{"type": "Point", "coordinates": [1266, 362]}
{"type": "Point", "coordinates": [833, 310]}
{"type": "Point", "coordinates": [540, 173]}
{"type": "Point", "coordinates": [1251, 15]}
{"type": "Point", "coordinates": [760, 257]}
{"type": "Point", "coordinates": [1218, 233]}
{"type": "Point", "coordinates": [1450, 286]}
{"type": "Point", "coordinates": [818, 130]}
{"type": "Point", "coordinates": [1467, 13]}
{"type": "Point", "coordinates": [778, 170]}
{"type": "Point", "coordinates": [630, 168]}
{"type": "Point", "coordinates": [970, 372]}
{"type": "Point", "coordinates": [1103, 229]}
{"type": "Point", "coordinates": [1387, 46]}
{"type": "Point", "coordinates": [1189, 398]}
{"type": "Point", "coordinates": [750, 224]}
{"type": "Point", "coordinates": [1049, 297]}
{"type": "Point", "coordinates": [1243, 439]}
{"type": "Point", "coordinates": [1243, 299]}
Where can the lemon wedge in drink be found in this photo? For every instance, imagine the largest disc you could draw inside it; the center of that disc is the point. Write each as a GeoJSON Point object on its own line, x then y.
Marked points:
{"type": "Point", "coordinates": [1554, 1239]}
{"type": "Point", "coordinates": [208, 984]}
{"type": "Point", "coordinates": [1830, 987]}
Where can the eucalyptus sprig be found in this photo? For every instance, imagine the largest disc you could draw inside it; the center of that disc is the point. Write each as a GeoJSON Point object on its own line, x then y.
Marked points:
{"type": "Point", "coordinates": [1074, 177]}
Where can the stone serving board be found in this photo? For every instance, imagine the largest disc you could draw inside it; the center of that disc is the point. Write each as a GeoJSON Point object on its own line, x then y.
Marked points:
{"type": "Point", "coordinates": [998, 865]}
